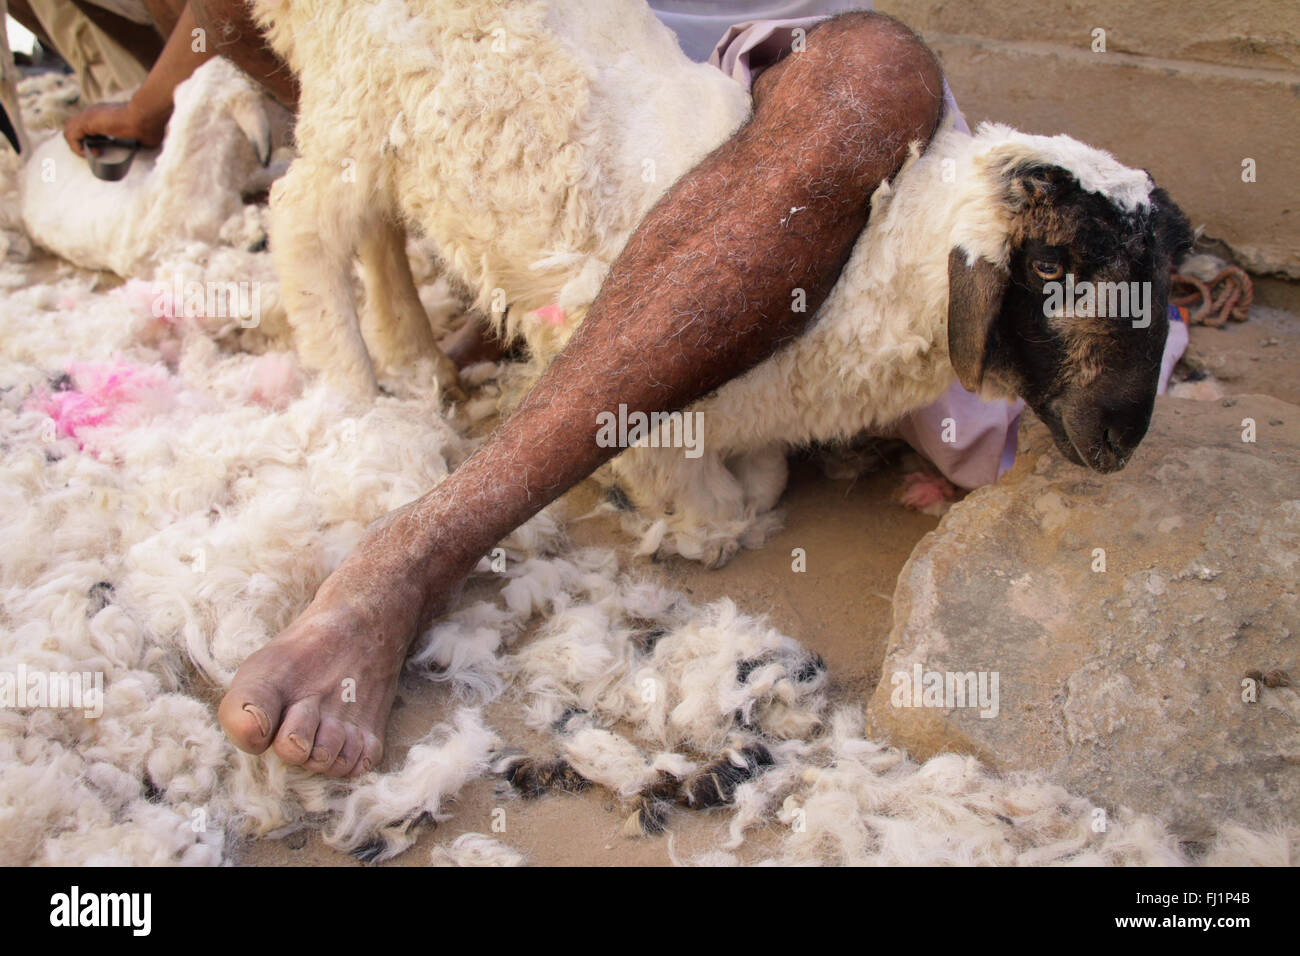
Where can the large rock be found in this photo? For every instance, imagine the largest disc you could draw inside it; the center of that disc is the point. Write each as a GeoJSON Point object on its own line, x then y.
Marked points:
{"type": "Point", "coordinates": [1125, 685]}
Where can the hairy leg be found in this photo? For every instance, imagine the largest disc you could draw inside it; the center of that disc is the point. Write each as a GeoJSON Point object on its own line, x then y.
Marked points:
{"type": "Point", "coordinates": [702, 291]}
{"type": "Point", "coordinates": [232, 32]}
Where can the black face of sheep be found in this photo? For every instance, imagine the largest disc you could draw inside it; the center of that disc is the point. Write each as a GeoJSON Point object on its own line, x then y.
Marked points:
{"type": "Point", "coordinates": [1077, 326]}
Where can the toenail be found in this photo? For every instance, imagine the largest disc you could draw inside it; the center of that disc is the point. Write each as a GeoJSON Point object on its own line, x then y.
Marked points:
{"type": "Point", "coordinates": [299, 743]}
{"type": "Point", "coordinates": [366, 765]}
{"type": "Point", "coordinates": [320, 755]}
{"type": "Point", "coordinates": [259, 715]}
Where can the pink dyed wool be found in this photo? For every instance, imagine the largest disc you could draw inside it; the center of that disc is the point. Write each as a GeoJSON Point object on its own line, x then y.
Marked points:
{"type": "Point", "coordinates": [101, 392]}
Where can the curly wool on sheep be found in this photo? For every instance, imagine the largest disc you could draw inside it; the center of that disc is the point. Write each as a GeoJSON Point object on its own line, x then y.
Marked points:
{"type": "Point", "coordinates": [501, 134]}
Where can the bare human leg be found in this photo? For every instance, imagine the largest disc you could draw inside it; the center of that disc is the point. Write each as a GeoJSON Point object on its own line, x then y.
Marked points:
{"type": "Point", "coordinates": [702, 292]}
{"type": "Point", "coordinates": [232, 33]}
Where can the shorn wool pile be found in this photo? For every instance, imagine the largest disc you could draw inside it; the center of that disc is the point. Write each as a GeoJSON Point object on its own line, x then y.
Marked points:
{"type": "Point", "coordinates": [172, 495]}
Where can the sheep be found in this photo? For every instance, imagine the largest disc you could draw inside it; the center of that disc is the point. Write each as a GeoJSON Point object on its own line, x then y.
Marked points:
{"type": "Point", "coordinates": [498, 131]}
{"type": "Point", "coordinates": [946, 281]}
{"type": "Point", "coordinates": [526, 140]}
{"type": "Point", "coordinates": [219, 143]}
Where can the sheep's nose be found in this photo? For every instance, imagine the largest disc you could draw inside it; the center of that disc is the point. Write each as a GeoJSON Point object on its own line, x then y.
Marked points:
{"type": "Point", "coordinates": [1123, 430]}
{"type": "Point", "coordinates": [1111, 452]}
{"type": "Point", "coordinates": [1115, 443]}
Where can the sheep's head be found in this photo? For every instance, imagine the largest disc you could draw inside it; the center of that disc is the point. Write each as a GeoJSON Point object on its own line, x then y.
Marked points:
{"type": "Point", "coordinates": [1075, 322]}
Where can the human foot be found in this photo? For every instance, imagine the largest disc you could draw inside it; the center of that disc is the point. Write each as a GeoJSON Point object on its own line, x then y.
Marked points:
{"type": "Point", "coordinates": [320, 692]}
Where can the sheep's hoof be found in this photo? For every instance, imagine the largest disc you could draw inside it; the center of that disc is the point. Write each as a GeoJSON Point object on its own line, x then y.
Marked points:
{"type": "Point", "coordinates": [448, 378]}
{"type": "Point", "coordinates": [718, 555]}
{"type": "Point", "coordinates": [712, 556]}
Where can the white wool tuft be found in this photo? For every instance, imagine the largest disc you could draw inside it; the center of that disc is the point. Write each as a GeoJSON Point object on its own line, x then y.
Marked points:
{"type": "Point", "coordinates": [630, 651]}
{"type": "Point", "coordinates": [463, 650]}
{"type": "Point", "coordinates": [475, 849]}
{"type": "Point", "coordinates": [382, 813]}
{"type": "Point", "coordinates": [607, 759]}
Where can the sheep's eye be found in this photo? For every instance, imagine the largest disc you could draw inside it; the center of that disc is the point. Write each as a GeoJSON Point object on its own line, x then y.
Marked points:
{"type": "Point", "coordinates": [1048, 270]}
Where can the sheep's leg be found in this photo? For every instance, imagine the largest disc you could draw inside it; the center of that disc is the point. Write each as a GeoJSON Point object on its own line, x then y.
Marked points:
{"type": "Point", "coordinates": [315, 228]}
{"type": "Point", "coordinates": [692, 507]}
{"type": "Point", "coordinates": [763, 474]}
{"type": "Point", "coordinates": [394, 323]}
{"type": "Point", "coordinates": [705, 508]}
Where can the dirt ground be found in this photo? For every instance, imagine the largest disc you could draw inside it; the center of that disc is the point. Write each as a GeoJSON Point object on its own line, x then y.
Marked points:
{"type": "Point", "coordinates": [856, 537]}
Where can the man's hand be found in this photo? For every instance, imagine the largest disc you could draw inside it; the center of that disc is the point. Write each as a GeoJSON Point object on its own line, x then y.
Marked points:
{"type": "Point", "coordinates": [119, 120]}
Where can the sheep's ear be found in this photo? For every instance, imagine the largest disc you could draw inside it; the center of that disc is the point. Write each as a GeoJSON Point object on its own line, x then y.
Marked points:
{"type": "Point", "coordinates": [1173, 232]}
{"type": "Point", "coordinates": [974, 299]}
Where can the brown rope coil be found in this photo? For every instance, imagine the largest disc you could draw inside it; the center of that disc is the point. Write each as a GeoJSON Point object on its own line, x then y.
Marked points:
{"type": "Point", "coordinates": [1227, 296]}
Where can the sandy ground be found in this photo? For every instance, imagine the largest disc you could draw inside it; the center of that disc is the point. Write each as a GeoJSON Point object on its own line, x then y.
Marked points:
{"type": "Point", "coordinates": [856, 537]}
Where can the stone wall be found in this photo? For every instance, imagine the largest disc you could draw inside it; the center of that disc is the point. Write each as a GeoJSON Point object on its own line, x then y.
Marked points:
{"type": "Point", "coordinates": [1187, 91]}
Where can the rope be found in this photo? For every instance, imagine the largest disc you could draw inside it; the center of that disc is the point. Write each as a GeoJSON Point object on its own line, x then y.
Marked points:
{"type": "Point", "coordinates": [1227, 296]}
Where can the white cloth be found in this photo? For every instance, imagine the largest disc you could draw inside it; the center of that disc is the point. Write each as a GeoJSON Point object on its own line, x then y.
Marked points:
{"type": "Point", "coordinates": [699, 23]}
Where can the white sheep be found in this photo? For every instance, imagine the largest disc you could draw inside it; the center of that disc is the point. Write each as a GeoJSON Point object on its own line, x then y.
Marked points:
{"type": "Point", "coordinates": [922, 299]}
{"type": "Point", "coordinates": [218, 144]}
{"type": "Point", "coordinates": [528, 139]}
{"type": "Point", "coordinates": [499, 131]}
